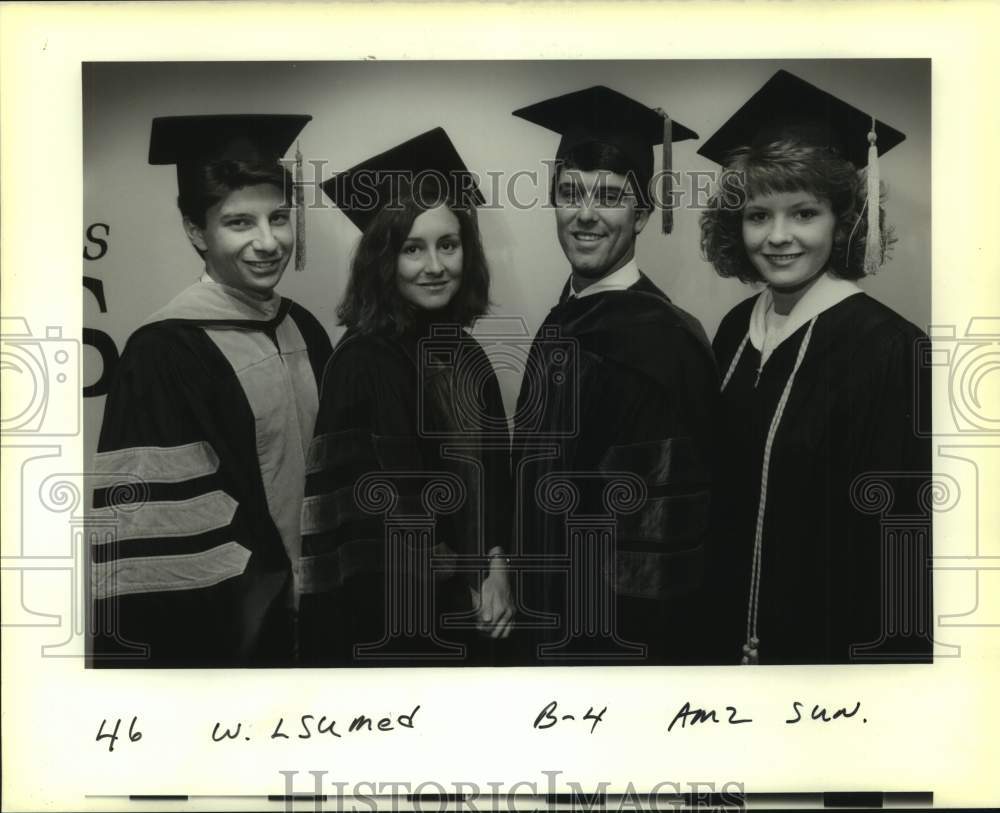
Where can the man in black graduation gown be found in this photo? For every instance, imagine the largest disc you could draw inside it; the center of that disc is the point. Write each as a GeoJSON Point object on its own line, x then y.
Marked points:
{"type": "Point", "coordinates": [612, 429]}
{"type": "Point", "coordinates": [201, 460]}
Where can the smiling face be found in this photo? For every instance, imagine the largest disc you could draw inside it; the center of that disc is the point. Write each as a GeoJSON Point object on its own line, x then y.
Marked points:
{"type": "Point", "coordinates": [788, 237]}
{"type": "Point", "coordinates": [597, 220]}
{"type": "Point", "coordinates": [429, 264]}
{"type": "Point", "coordinates": [247, 239]}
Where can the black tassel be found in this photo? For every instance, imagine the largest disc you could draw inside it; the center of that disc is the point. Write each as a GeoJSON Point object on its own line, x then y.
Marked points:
{"type": "Point", "coordinates": [300, 213]}
{"type": "Point", "coordinates": [667, 181]}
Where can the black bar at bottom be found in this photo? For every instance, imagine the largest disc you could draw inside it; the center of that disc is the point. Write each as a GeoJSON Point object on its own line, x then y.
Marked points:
{"type": "Point", "coordinates": [686, 800]}
{"type": "Point", "coordinates": [856, 799]}
{"type": "Point", "coordinates": [417, 798]}
{"type": "Point", "coordinates": [297, 797]}
{"type": "Point", "coordinates": [149, 797]}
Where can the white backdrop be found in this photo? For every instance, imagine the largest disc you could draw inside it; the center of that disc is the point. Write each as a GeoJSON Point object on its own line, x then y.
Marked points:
{"type": "Point", "coordinates": [362, 108]}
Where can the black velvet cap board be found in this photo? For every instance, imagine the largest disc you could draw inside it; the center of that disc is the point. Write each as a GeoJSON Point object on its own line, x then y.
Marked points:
{"type": "Point", "coordinates": [428, 160]}
{"type": "Point", "coordinates": [186, 140]}
{"type": "Point", "coordinates": [787, 107]}
{"type": "Point", "coordinates": [602, 115]}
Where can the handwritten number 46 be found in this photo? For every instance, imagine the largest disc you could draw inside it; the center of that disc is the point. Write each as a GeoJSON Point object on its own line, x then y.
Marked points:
{"type": "Point", "coordinates": [112, 737]}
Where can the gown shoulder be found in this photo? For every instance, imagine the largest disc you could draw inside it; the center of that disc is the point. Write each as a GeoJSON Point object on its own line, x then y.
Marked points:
{"type": "Point", "coordinates": [733, 326]}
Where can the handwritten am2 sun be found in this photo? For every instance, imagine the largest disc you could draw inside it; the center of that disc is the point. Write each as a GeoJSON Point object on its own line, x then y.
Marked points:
{"type": "Point", "coordinates": [688, 716]}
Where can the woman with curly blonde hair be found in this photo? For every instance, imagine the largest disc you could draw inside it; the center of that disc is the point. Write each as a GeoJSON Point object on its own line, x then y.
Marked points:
{"type": "Point", "coordinates": [819, 391]}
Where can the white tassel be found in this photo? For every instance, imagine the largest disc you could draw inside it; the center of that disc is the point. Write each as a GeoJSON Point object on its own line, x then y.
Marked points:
{"type": "Point", "coordinates": [873, 245]}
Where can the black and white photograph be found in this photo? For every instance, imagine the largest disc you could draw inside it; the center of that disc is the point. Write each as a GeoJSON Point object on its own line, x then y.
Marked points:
{"type": "Point", "coordinates": [509, 364]}
{"type": "Point", "coordinates": [360, 360]}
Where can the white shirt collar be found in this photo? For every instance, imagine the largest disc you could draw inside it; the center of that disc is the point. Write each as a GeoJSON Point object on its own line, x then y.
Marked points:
{"type": "Point", "coordinates": [826, 292]}
{"type": "Point", "coordinates": [624, 277]}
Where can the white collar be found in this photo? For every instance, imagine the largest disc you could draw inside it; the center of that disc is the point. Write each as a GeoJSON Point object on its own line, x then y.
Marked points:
{"type": "Point", "coordinates": [826, 292]}
{"type": "Point", "coordinates": [624, 277]}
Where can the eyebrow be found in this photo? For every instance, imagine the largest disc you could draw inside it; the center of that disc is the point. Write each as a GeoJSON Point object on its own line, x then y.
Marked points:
{"type": "Point", "coordinates": [598, 185]}
{"type": "Point", "coordinates": [249, 215]}
{"type": "Point", "coordinates": [797, 205]}
{"type": "Point", "coordinates": [452, 234]}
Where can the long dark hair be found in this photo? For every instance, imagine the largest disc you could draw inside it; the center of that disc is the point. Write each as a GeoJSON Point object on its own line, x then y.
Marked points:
{"type": "Point", "coordinates": [372, 302]}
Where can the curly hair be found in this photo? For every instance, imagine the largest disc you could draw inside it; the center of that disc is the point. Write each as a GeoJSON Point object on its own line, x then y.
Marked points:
{"type": "Point", "coordinates": [372, 302]}
{"type": "Point", "coordinates": [789, 166]}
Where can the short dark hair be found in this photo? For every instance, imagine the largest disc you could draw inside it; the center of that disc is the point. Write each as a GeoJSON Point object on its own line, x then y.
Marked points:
{"type": "Point", "coordinates": [789, 166]}
{"type": "Point", "coordinates": [200, 187]}
{"type": "Point", "coordinates": [593, 156]}
{"type": "Point", "coordinates": [372, 302]}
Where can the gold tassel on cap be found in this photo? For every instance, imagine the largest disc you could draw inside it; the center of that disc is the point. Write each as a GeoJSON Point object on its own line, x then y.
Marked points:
{"type": "Point", "coordinates": [300, 213]}
{"type": "Point", "coordinates": [873, 245]}
{"type": "Point", "coordinates": [667, 183]}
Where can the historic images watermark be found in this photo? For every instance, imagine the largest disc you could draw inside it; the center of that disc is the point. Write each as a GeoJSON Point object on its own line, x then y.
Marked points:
{"type": "Point", "coordinates": [41, 376]}
{"type": "Point", "coordinates": [328, 794]}
{"type": "Point", "coordinates": [54, 543]}
{"type": "Point", "coordinates": [522, 189]}
{"type": "Point", "coordinates": [962, 363]}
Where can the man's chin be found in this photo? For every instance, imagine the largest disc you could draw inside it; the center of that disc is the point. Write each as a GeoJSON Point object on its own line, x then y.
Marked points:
{"type": "Point", "coordinates": [259, 290]}
{"type": "Point", "coordinates": [590, 272]}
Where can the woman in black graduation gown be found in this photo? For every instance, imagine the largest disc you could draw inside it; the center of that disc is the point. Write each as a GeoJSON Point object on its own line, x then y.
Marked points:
{"type": "Point", "coordinates": [819, 393]}
{"type": "Point", "coordinates": [405, 518]}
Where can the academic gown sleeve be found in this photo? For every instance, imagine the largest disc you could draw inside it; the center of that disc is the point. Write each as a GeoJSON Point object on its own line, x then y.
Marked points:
{"type": "Point", "coordinates": [185, 560]}
{"type": "Point", "coordinates": [662, 433]}
{"type": "Point", "coordinates": [887, 457]}
{"type": "Point", "coordinates": [470, 424]}
{"type": "Point", "coordinates": [367, 425]}
{"type": "Point", "coordinates": [644, 407]}
{"type": "Point", "coordinates": [499, 496]}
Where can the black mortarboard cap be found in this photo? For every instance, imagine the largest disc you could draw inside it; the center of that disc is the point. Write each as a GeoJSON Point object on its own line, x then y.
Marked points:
{"type": "Point", "coordinates": [787, 107]}
{"type": "Point", "coordinates": [429, 159]}
{"type": "Point", "coordinates": [599, 114]}
{"type": "Point", "coordinates": [196, 140]}
{"type": "Point", "coordinates": [192, 142]}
